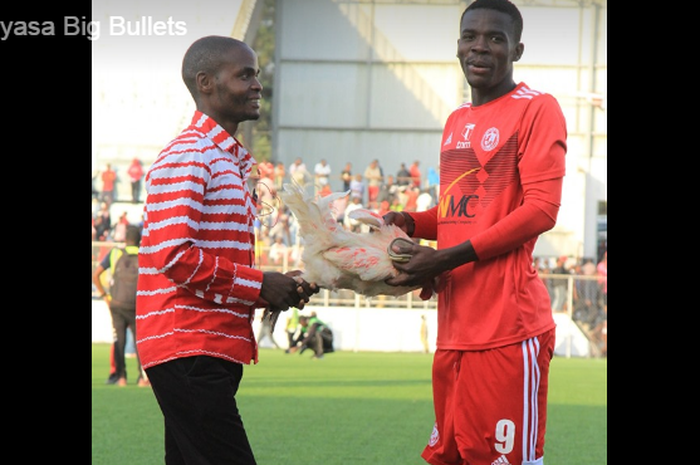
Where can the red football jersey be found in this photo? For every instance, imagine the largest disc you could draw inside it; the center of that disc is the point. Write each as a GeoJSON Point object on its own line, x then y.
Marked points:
{"type": "Point", "coordinates": [493, 162]}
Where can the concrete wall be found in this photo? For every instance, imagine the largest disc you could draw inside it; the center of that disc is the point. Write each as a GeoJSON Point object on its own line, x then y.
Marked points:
{"type": "Point", "coordinates": [359, 80]}
{"type": "Point", "coordinates": [369, 329]}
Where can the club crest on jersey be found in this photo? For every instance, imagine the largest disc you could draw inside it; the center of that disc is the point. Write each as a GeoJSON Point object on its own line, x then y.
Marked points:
{"type": "Point", "coordinates": [490, 140]}
{"type": "Point", "coordinates": [434, 436]}
{"type": "Point", "coordinates": [466, 134]}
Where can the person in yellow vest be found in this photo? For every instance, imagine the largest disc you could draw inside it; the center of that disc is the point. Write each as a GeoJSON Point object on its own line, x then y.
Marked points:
{"type": "Point", "coordinates": [292, 327]}
{"type": "Point", "coordinates": [122, 309]}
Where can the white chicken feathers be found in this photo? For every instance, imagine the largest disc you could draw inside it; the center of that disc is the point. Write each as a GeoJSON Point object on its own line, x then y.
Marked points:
{"type": "Point", "coordinates": [336, 258]}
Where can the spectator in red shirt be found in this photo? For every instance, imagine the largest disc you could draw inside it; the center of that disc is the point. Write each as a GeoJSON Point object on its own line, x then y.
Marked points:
{"type": "Point", "coordinates": [135, 172]}
{"type": "Point", "coordinates": [109, 178]}
{"type": "Point", "coordinates": [415, 173]}
{"type": "Point", "coordinates": [411, 199]}
{"type": "Point", "coordinates": [375, 178]}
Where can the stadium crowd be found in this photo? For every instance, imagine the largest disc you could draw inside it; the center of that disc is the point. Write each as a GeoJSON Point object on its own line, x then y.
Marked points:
{"type": "Point", "coordinates": [278, 245]}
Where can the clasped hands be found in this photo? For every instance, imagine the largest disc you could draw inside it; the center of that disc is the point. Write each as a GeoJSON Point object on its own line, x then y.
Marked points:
{"type": "Point", "coordinates": [282, 291]}
{"type": "Point", "coordinates": [416, 264]}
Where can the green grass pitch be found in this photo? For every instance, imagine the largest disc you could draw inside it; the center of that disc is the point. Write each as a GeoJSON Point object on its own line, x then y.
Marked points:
{"type": "Point", "coordinates": [369, 408]}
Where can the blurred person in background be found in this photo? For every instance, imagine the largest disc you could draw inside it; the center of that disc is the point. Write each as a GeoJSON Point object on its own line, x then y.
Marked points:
{"type": "Point", "coordinates": [291, 326]}
{"type": "Point", "coordinates": [602, 269]}
{"type": "Point", "coordinates": [403, 176]}
{"type": "Point", "coordinates": [322, 173]}
{"type": "Point", "coordinates": [119, 234]}
{"type": "Point", "coordinates": [314, 335]}
{"type": "Point", "coordinates": [135, 172]}
{"type": "Point", "coordinates": [109, 180]}
{"type": "Point", "coordinates": [560, 284]}
{"type": "Point", "coordinates": [411, 199]}
{"type": "Point", "coordinates": [298, 172]}
{"type": "Point", "coordinates": [388, 190]}
{"type": "Point", "coordinates": [123, 313]}
{"type": "Point", "coordinates": [374, 177]}
{"type": "Point", "coordinates": [103, 222]}
{"type": "Point", "coordinates": [346, 176]}
{"type": "Point", "coordinates": [357, 188]}
{"type": "Point", "coordinates": [602, 327]}
{"type": "Point", "coordinates": [424, 333]}
{"type": "Point", "coordinates": [424, 200]}
{"type": "Point", "coordinates": [280, 175]}
{"type": "Point", "coordinates": [416, 174]}
{"type": "Point", "coordinates": [587, 297]}
{"type": "Point", "coordinates": [433, 182]}
{"type": "Point", "coordinates": [350, 223]}
{"type": "Point", "coordinates": [278, 252]}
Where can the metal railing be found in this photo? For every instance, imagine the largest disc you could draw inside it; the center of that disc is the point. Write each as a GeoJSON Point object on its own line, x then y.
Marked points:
{"type": "Point", "coordinates": [347, 298]}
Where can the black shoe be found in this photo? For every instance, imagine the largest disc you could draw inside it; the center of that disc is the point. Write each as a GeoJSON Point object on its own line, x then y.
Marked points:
{"type": "Point", "coordinates": [113, 378]}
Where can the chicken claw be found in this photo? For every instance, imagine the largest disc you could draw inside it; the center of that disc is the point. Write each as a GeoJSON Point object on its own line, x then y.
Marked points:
{"type": "Point", "coordinates": [272, 315]}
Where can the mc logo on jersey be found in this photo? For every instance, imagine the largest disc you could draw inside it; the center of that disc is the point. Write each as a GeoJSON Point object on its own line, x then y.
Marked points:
{"type": "Point", "coordinates": [449, 205]}
{"type": "Point", "coordinates": [478, 177]}
{"type": "Point", "coordinates": [460, 208]}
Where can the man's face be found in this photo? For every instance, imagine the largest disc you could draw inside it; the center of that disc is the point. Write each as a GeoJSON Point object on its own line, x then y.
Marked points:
{"type": "Point", "coordinates": [237, 88]}
{"type": "Point", "coordinates": [487, 48]}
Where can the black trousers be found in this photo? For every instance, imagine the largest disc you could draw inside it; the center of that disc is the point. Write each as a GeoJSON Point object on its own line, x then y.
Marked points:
{"type": "Point", "coordinates": [202, 423]}
{"type": "Point", "coordinates": [123, 319]}
{"type": "Point", "coordinates": [135, 191]}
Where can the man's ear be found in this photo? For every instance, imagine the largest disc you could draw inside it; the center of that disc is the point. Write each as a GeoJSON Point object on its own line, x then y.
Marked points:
{"type": "Point", "coordinates": [205, 82]}
{"type": "Point", "coordinates": [519, 49]}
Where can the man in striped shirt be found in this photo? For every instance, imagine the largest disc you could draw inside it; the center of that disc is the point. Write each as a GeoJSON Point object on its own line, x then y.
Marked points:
{"type": "Point", "coordinates": [198, 289]}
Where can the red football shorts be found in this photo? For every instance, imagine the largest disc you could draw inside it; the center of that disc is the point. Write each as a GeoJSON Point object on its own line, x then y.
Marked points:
{"type": "Point", "coordinates": [491, 405]}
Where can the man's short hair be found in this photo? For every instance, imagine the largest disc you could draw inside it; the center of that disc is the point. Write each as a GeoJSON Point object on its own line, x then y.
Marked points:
{"type": "Point", "coordinates": [205, 54]}
{"type": "Point", "coordinates": [133, 235]}
{"type": "Point", "coordinates": [504, 6]}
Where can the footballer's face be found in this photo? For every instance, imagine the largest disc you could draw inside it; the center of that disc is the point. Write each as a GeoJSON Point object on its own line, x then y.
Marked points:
{"type": "Point", "coordinates": [486, 50]}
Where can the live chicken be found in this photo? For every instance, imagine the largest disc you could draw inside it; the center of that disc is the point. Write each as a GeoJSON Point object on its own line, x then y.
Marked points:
{"type": "Point", "coordinates": [336, 258]}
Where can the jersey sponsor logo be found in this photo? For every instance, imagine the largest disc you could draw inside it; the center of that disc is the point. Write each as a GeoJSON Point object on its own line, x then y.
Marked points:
{"type": "Point", "coordinates": [448, 206]}
{"type": "Point", "coordinates": [460, 208]}
{"type": "Point", "coordinates": [474, 186]}
{"type": "Point", "coordinates": [466, 134]}
{"type": "Point", "coordinates": [490, 140]}
{"type": "Point", "coordinates": [449, 140]}
{"type": "Point", "coordinates": [434, 436]}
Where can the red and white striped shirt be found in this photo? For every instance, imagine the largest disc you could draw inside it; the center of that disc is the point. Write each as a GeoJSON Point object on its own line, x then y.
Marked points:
{"type": "Point", "coordinates": [197, 288]}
